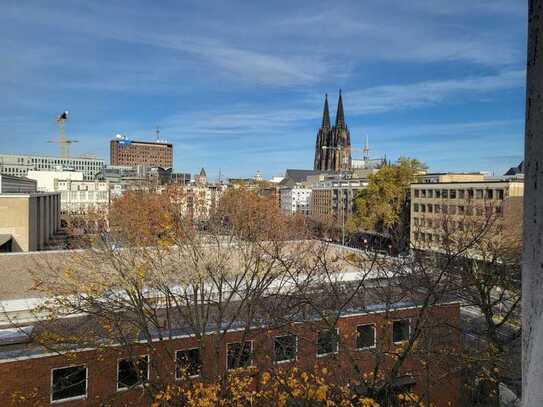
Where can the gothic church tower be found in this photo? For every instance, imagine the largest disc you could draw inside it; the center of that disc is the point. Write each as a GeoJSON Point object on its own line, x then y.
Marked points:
{"type": "Point", "coordinates": [336, 140]}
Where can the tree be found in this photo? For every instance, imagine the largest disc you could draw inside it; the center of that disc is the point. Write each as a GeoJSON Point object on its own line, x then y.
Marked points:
{"type": "Point", "coordinates": [155, 271]}
{"type": "Point", "coordinates": [383, 207]}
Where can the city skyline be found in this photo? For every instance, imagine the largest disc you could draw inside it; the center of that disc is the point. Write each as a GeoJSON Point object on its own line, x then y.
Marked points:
{"type": "Point", "coordinates": [241, 89]}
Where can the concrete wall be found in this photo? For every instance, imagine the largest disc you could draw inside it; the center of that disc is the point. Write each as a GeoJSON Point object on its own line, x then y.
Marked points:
{"type": "Point", "coordinates": [31, 219]}
{"type": "Point", "coordinates": [532, 272]}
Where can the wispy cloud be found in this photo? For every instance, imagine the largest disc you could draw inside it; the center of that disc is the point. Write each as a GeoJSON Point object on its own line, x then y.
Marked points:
{"type": "Point", "coordinates": [387, 98]}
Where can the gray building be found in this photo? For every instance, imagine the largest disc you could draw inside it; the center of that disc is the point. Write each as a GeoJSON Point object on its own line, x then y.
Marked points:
{"type": "Point", "coordinates": [19, 165]}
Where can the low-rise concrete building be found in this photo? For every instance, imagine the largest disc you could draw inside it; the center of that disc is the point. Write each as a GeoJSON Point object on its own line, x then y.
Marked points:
{"type": "Point", "coordinates": [28, 219]}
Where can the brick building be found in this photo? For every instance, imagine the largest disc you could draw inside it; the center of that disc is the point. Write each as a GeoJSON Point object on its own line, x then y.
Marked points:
{"type": "Point", "coordinates": [369, 329]}
{"type": "Point", "coordinates": [105, 376]}
{"type": "Point", "coordinates": [145, 153]}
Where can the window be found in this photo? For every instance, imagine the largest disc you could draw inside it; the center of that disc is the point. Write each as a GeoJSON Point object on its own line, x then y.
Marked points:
{"type": "Point", "coordinates": [430, 208]}
{"type": "Point", "coordinates": [285, 348]}
{"type": "Point", "coordinates": [416, 207]}
{"type": "Point", "coordinates": [188, 363]}
{"type": "Point", "coordinates": [423, 208]}
{"type": "Point", "coordinates": [470, 193]}
{"type": "Point", "coordinates": [438, 193]}
{"type": "Point", "coordinates": [452, 193]}
{"type": "Point", "coordinates": [132, 372]}
{"type": "Point", "coordinates": [423, 193]}
{"type": "Point", "coordinates": [490, 194]}
{"type": "Point", "coordinates": [238, 357]}
{"type": "Point", "coordinates": [445, 193]}
{"type": "Point", "coordinates": [416, 193]}
{"type": "Point", "coordinates": [479, 194]}
{"type": "Point", "coordinates": [499, 193]}
{"type": "Point", "coordinates": [461, 194]}
{"type": "Point", "coordinates": [430, 193]}
{"type": "Point", "coordinates": [365, 336]}
{"type": "Point", "coordinates": [400, 330]}
{"type": "Point", "coordinates": [68, 383]}
{"type": "Point", "coordinates": [327, 342]}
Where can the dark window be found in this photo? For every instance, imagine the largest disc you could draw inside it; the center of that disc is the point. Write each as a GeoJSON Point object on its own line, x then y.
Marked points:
{"type": "Point", "coordinates": [444, 193]}
{"type": "Point", "coordinates": [365, 336]}
{"type": "Point", "coordinates": [452, 193]}
{"type": "Point", "coordinates": [132, 372]}
{"type": "Point", "coordinates": [69, 382]}
{"type": "Point", "coordinates": [238, 357]}
{"type": "Point", "coordinates": [430, 193]}
{"type": "Point", "coordinates": [327, 342]}
{"type": "Point", "coordinates": [438, 193]}
{"type": "Point", "coordinates": [400, 330]}
{"type": "Point", "coordinates": [499, 193]}
{"type": "Point", "coordinates": [284, 347]}
{"type": "Point", "coordinates": [416, 193]}
{"type": "Point", "coordinates": [416, 207]}
{"type": "Point", "coordinates": [479, 194]}
{"type": "Point", "coordinates": [188, 363]}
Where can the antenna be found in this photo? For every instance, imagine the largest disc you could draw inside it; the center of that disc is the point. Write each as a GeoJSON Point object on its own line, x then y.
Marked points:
{"type": "Point", "coordinates": [63, 142]}
{"type": "Point", "coordinates": [366, 150]}
{"type": "Point", "coordinates": [157, 131]}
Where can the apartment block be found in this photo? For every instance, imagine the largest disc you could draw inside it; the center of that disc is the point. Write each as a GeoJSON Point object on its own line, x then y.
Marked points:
{"type": "Point", "coordinates": [296, 199]}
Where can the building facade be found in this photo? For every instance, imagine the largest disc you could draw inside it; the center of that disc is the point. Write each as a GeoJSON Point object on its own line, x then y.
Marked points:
{"type": "Point", "coordinates": [19, 165]}
{"type": "Point", "coordinates": [28, 219]}
{"type": "Point", "coordinates": [81, 196]}
{"type": "Point", "coordinates": [333, 144]}
{"type": "Point", "coordinates": [447, 205]}
{"type": "Point", "coordinates": [101, 378]}
{"type": "Point", "coordinates": [46, 180]}
{"type": "Point", "coordinates": [335, 197]}
{"type": "Point", "coordinates": [296, 199]}
{"type": "Point", "coordinates": [150, 154]}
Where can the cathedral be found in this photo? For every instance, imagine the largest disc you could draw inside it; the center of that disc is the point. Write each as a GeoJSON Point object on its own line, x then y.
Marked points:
{"type": "Point", "coordinates": [333, 146]}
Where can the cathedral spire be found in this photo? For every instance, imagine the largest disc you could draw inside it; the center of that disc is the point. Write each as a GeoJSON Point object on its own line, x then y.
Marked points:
{"type": "Point", "coordinates": [326, 113]}
{"type": "Point", "coordinates": [340, 116]}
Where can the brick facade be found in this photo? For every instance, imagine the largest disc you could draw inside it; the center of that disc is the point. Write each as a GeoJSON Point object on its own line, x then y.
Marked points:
{"type": "Point", "coordinates": [31, 376]}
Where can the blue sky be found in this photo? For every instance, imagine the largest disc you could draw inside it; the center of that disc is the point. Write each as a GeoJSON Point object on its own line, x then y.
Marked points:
{"type": "Point", "coordinates": [239, 85]}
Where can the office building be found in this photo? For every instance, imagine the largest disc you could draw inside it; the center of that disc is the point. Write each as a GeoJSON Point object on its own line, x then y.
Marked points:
{"type": "Point", "coordinates": [19, 165]}
{"type": "Point", "coordinates": [149, 154]}
{"type": "Point", "coordinates": [443, 204]}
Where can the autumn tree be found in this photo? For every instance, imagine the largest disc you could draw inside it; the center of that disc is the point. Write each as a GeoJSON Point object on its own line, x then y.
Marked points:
{"type": "Point", "coordinates": [383, 207]}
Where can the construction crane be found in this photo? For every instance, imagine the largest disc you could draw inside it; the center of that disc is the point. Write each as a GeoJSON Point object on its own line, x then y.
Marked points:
{"type": "Point", "coordinates": [63, 142]}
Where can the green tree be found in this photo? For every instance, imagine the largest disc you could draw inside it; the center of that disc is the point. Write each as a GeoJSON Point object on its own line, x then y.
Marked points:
{"type": "Point", "coordinates": [383, 207]}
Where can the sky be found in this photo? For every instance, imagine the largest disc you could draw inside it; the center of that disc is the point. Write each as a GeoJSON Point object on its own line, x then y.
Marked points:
{"type": "Point", "coordinates": [238, 86]}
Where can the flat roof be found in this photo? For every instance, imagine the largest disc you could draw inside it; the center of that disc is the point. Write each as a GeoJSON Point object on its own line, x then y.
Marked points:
{"type": "Point", "coordinates": [494, 181]}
